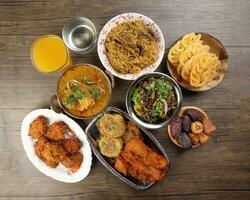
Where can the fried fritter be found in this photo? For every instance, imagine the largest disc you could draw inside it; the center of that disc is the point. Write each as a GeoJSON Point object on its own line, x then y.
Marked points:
{"type": "Point", "coordinates": [72, 145]}
{"type": "Point", "coordinates": [110, 146]}
{"type": "Point", "coordinates": [49, 152]}
{"type": "Point", "coordinates": [73, 162]}
{"type": "Point", "coordinates": [121, 165]}
{"type": "Point", "coordinates": [112, 125]}
{"type": "Point", "coordinates": [132, 131]}
{"type": "Point", "coordinates": [38, 127]}
{"type": "Point", "coordinates": [141, 162]}
{"type": "Point", "coordinates": [56, 131]}
{"type": "Point", "coordinates": [148, 156]}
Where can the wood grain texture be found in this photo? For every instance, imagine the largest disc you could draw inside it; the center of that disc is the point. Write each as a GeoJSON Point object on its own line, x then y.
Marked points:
{"type": "Point", "coordinates": [217, 170]}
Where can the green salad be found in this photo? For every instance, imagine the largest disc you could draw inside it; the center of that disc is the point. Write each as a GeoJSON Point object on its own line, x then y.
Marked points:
{"type": "Point", "coordinates": [153, 100]}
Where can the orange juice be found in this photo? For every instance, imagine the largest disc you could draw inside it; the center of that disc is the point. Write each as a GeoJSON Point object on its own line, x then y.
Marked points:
{"type": "Point", "coordinates": [49, 54]}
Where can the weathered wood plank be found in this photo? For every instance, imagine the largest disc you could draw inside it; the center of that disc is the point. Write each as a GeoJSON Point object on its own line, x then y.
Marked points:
{"type": "Point", "coordinates": [217, 170]}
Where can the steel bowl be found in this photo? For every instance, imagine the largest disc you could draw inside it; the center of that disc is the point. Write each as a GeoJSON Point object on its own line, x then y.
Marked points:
{"type": "Point", "coordinates": [130, 109]}
{"type": "Point", "coordinates": [57, 106]}
{"type": "Point", "coordinates": [80, 35]}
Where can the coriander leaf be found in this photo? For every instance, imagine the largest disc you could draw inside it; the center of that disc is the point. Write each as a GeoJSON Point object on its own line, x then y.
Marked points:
{"type": "Point", "coordinates": [95, 91]}
{"type": "Point", "coordinates": [78, 94]}
{"type": "Point", "coordinates": [135, 96]}
{"type": "Point", "coordinates": [70, 99]}
{"type": "Point", "coordinates": [159, 108]}
{"type": "Point", "coordinates": [163, 88]}
{"type": "Point", "coordinates": [151, 86]}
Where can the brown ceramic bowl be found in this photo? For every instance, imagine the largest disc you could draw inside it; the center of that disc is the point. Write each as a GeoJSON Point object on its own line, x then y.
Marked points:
{"type": "Point", "coordinates": [183, 109]}
{"type": "Point", "coordinates": [217, 48]}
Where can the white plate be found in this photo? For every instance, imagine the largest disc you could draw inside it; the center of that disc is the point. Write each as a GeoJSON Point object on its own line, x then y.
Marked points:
{"type": "Point", "coordinates": [59, 173]}
{"type": "Point", "coordinates": [130, 17]}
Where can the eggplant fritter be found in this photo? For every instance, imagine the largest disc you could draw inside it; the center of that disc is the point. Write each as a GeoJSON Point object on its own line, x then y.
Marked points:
{"type": "Point", "coordinates": [112, 125]}
{"type": "Point", "coordinates": [50, 153]}
{"type": "Point", "coordinates": [73, 162]}
{"type": "Point", "coordinates": [72, 145]}
{"type": "Point", "coordinates": [56, 131]}
{"type": "Point", "coordinates": [110, 146]}
{"type": "Point", "coordinates": [38, 127]}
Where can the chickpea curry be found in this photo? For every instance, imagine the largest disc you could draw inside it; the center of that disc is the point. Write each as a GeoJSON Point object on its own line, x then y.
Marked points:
{"type": "Point", "coordinates": [84, 91]}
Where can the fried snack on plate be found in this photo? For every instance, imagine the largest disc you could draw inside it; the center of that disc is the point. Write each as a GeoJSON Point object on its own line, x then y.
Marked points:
{"type": "Point", "coordinates": [132, 131]}
{"type": "Point", "coordinates": [110, 146]}
{"type": "Point", "coordinates": [50, 153]}
{"type": "Point", "coordinates": [141, 162]}
{"type": "Point", "coordinates": [121, 165]}
{"type": "Point", "coordinates": [38, 127]}
{"type": "Point", "coordinates": [73, 162]}
{"type": "Point", "coordinates": [72, 145]}
{"type": "Point", "coordinates": [56, 131]}
{"type": "Point", "coordinates": [112, 125]}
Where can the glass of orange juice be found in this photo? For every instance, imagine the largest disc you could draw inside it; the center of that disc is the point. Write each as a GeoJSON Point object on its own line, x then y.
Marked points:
{"type": "Point", "coordinates": [49, 54]}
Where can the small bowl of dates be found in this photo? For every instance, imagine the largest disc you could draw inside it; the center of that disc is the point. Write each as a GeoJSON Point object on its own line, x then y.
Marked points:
{"type": "Point", "coordinates": [191, 128]}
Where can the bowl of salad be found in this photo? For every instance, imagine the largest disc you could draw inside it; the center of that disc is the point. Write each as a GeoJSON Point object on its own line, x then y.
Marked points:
{"type": "Point", "coordinates": [153, 100]}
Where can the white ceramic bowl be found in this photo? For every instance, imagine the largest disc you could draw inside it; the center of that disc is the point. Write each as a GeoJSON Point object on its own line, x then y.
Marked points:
{"type": "Point", "coordinates": [130, 17]}
{"type": "Point", "coordinates": [59, 173]}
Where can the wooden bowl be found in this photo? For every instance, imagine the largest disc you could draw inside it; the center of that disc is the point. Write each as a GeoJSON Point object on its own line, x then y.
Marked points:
{"type": "Point", "coordinates": [183, 109]}
{"type": "Point", "coordinates": [217, 48]}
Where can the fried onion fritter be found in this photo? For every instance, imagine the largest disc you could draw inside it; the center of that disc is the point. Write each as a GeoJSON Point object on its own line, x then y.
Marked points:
{"type": "Point", "coordinates": [38, 127]}
{"type": "Point", "coordinates": [132, 131]}
{"type": "Point", "coordinates": [112, 125]}
{"type": "Point", "coordinates": [72, 145]}
{"type": "Point", "coordinates": [73, 162]}
{"type": "Point", "coordinates": [49, 152]}
{"type": "Point", "coordinates": [56, 131]}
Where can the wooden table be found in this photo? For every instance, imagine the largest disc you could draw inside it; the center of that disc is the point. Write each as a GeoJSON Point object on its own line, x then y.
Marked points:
{"type": "Point", "coordinates": [218, 170]}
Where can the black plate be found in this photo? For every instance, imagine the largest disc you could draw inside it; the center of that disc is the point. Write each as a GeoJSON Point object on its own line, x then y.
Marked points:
{"type": "Point", "coordinates": [149, 139]}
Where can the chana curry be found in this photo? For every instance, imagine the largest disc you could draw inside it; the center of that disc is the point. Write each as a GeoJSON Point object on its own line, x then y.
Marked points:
{"type": "Point", "coordinates": [84, 91]}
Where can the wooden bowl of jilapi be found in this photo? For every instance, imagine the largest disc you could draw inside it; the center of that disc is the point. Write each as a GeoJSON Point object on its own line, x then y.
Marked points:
{"type": "Point", "coordinates": [197, 61]}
